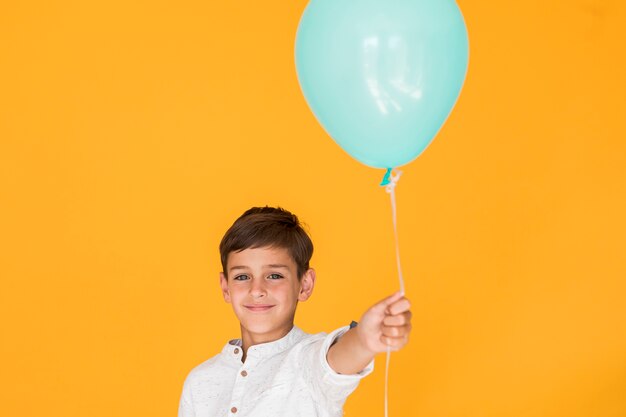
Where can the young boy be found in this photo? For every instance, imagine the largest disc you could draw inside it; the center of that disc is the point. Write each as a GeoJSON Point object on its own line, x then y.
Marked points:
{"type": "Point", "coordinates": [276, 369]}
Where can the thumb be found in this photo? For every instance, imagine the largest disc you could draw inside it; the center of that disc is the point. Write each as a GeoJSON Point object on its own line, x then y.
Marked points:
{"type": "Point", "coordinates": [382, 305]}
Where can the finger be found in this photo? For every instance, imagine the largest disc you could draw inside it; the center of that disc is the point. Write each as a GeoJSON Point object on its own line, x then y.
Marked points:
{"type": "Point", "coordinates": [394, 342]}
{"type": "Point", "coordinates": [383, 304]}
{"type": "Point", "coordinates": [398, 320]}
{"type": "Point", "coordinates": [399, 306]}
{"type": "Point", "coordinates": [396, 331]}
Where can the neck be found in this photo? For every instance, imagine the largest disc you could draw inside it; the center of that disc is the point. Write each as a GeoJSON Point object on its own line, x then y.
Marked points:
{"type": "Point", "coordinates": [249, 339]}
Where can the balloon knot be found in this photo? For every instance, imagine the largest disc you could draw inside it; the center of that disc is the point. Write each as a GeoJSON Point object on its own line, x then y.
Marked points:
{"type": "Point", "coordinates": [391, 179]}
{"type": "Point", "coordinates": [386, 177]}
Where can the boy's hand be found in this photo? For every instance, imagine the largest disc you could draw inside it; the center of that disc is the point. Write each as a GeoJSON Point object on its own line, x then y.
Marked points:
{"type": "Point", "coordinates": [386, 324]}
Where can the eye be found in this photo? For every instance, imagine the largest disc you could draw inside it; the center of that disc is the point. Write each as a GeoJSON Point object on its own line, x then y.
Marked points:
{"type": "Point", "coordinates": [241, 277]}
{"type": "Point", "coordinates": [274, 276]}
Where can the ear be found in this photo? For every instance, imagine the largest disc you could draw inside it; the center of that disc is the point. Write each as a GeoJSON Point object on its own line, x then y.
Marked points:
{"type": "Point", "coordinates": [306, 285]}
{"type": "Point", "coordinates": [224, 285]}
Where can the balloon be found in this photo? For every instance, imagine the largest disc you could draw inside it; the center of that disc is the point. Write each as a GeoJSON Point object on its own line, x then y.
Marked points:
{"type": "Point", "coordinates": [381, 76]}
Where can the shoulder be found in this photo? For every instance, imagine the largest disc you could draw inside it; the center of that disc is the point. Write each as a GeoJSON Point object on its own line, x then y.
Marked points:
{"type": "Point", "coordinates": [315, 346]}
{"type": "Point", "coordinates": [204, 369]}
{"type": "Point", "coordinates": [211, 369]}
{"type": "Point", "coordinates": [321, 339]}
{"type": "Point", "coordinates": [206, 366]}
{"type": "Point", "coordinates": [305, 342]}
{"type": "Point", "coordinates": [308, 338]}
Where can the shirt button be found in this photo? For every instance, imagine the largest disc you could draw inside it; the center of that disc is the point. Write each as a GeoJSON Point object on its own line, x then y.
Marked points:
{"type": "Point", "coordinates": [236, 351]}
{"type": "Point", "coordinates": [233, 410]}
{"type": "Point", "coordinates": [244, 373]}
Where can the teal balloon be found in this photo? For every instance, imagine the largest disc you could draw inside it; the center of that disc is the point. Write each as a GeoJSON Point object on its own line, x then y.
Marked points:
{"type": "Point", "coordinates": [382, 76]}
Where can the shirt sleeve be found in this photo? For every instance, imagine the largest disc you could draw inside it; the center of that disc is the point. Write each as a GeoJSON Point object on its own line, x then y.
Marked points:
{"type": "Point", "coordinates": [325, 382]}
{"type": "Point", "coordinates": [185, 406]}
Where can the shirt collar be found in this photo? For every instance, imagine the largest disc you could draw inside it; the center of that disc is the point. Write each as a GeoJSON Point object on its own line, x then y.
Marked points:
{"type": "Point", "coordinates": [234, 347]}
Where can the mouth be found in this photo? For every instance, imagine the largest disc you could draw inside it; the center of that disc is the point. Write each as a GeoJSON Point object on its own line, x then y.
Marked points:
{"type": "Point", "coordinates": [259, 308]}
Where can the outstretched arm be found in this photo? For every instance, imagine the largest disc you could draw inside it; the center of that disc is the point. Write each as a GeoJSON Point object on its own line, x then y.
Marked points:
{"type": "Point", "coordinates": [386, 324]}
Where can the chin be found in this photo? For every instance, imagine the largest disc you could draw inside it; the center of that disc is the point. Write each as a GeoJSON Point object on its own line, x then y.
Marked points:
{"type": "Point", "coordinates": [254, 326]}
{"type": "Point", "coordinates": [259, 325]}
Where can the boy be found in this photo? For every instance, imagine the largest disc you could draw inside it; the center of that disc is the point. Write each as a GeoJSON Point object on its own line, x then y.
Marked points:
{"type": "Point", "coordinates": [276, 369]}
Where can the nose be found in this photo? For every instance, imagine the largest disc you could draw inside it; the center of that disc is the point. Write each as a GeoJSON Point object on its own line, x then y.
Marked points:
{"type": "Point", "coordinates": [257, 288]}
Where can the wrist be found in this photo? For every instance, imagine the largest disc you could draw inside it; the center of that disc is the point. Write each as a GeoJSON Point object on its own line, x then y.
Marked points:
{"type": "Point", "coordinates": [365, 341]}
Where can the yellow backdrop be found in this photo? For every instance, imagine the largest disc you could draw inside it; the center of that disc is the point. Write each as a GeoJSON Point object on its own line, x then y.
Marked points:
{"type": "Point", "coordinates": [133, 133]}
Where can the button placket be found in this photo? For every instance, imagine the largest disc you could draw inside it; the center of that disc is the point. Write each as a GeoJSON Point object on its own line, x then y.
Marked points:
{"type": "Point", "coordinates": [240, 384]}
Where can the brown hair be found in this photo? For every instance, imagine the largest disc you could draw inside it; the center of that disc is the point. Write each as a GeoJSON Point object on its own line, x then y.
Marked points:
{"type": "Point", "coordinates": [267, 226]}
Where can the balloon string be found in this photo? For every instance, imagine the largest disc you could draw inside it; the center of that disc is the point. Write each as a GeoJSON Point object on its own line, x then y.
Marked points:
{"type": "Point", "coordinates": [387, 381]}
{"type": "Point", "coordinates": [390, 181]}
{"type": "Point", "coordinates": [390, 187]}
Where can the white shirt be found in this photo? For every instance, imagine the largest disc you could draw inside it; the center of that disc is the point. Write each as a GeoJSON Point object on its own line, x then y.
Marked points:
{"type": "Point", "coordinates": [287, 377]}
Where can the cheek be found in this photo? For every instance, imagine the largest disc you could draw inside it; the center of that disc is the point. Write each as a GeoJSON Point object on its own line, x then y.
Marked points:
{"type": "Point", "coordinates": [288, 293]}
{"type": "Point", "coordinates": [235, 293]}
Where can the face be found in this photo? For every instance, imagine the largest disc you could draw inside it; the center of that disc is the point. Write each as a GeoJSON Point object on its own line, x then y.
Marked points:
{"type": "Point", "coordinates": [263, 287]}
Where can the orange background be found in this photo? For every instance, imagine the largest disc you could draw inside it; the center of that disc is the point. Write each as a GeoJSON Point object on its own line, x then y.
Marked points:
{"type": "Point", "coordinates": [133, 133]}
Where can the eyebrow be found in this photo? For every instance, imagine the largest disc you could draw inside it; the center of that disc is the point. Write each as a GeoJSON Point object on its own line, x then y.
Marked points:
{"type": "Point", "coordinates": [232, 268]}
{"type": "Point", "coordinates": [277, 266]}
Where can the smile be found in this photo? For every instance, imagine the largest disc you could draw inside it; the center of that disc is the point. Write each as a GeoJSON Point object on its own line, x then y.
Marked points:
{"type": "Point", "coordinates": [259, 308]}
